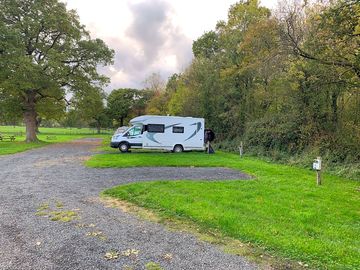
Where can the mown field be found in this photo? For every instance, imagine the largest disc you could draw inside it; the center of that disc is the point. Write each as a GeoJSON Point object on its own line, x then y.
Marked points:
{"type": "Point", "coordinates": [46, 136]}
{"type": "Point", "coordinates": [281, 210]}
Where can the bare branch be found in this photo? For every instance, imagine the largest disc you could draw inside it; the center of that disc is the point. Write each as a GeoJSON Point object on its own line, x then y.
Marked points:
{"type": "Point", "coordinates": [52, 97]}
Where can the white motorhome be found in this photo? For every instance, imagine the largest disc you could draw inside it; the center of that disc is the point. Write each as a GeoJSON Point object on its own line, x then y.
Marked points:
{"type": "Point", "coordinates": [172, 133]}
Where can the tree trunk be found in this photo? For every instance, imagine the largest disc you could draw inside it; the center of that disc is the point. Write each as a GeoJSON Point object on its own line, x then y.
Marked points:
{"type": "Point", "coordinates": [38, 122]}
{"type": "Point", "coordinates": [98, 126]}
{"type": "Point", "coordinates": [30, 117]}
{"type": "Point", "coordinates": [334, 107]}
{"type": "Point", "coordinates": [121, 121]}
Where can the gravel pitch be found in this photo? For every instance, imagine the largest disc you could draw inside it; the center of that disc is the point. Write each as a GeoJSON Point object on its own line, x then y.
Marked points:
{"type": "Point", "coordinates": [55, 175]}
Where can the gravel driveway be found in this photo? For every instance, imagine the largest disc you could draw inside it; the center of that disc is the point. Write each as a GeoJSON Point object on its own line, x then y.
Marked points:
{"type": "Point", "coordinates": [55, 175]}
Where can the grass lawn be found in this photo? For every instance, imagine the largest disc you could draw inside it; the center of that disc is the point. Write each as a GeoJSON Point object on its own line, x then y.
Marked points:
{"type": "Point", "coordinates": [48, 131]}
{"type": "Point", "coordinates": [46, 136]}
{"type": "Point", "coordinates": [281, 210]}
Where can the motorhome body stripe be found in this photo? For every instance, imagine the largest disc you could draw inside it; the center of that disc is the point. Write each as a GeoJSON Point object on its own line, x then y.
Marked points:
{"type": "Point", "coordinates": [198, 124]}
{"type": "Point", "coordinates": [150, 136]}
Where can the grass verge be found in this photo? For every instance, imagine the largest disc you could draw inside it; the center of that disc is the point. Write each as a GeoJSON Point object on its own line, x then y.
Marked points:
{"type": "Point", "coordinates": [46, 137]}
{"type": "Point", "coordinates": [282, 211]}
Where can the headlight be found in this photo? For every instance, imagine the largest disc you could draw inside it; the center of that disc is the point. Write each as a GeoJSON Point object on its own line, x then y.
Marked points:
{"type": "Point", "coordinates": [115, 137]}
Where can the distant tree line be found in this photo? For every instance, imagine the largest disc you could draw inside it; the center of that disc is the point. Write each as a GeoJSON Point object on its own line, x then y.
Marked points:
{"type": "Point", "coordinates": [99, 110]}
{"type": "Point", "coordinates": [93, 109]}
{"type": "Point", "coordinates": [285, 83]}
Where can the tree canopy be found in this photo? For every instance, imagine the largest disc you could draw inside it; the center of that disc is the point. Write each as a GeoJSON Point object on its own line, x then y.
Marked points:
{"type": "Point", "coordinates": [46, 54]}
{"type": "Point", "coordinates": [125, 102]}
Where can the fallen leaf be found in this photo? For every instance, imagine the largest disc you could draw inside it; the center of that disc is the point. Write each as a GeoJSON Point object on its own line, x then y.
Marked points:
{"type": "Point", "coordinates": [130, 252]}
{"type": "Point", "coordinates": [94, 233]}
{"type": "Point", "coordinates": [168, 256]}
{"type": "Point", "coordinates": [111, 255]}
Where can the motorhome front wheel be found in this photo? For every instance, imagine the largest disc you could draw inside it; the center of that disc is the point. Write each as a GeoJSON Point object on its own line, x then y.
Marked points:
{"type": "Point", "coordinates": [123, 147]}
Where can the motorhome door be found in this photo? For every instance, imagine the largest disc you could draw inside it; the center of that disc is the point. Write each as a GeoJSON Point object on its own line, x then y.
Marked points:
{"type": "Point", "coordinates": [134, 136]}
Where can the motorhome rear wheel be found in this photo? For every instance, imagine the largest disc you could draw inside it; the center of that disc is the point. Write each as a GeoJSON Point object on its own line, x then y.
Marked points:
{"type": "Point", "coordinates": [178, 148]}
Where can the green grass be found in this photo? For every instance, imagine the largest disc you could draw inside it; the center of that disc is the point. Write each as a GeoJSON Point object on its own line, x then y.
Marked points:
{"type": "Point", "coordinates": [46, 137]}
{"type": "Point", "coordinates": [281, 210]}
{"type": "Point", "coordinates": [49, 131]}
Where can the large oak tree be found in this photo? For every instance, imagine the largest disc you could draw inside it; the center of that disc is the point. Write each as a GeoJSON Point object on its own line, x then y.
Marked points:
{"type": "Point", "coordinates": [45, 55]}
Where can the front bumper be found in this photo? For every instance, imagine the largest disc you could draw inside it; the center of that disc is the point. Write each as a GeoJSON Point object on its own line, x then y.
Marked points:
{"type": "Point", "coordinates": [114, 144]}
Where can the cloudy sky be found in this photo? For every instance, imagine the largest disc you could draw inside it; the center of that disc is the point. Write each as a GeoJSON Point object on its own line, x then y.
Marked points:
{"type": "Point", "coordinates": [149, 35]}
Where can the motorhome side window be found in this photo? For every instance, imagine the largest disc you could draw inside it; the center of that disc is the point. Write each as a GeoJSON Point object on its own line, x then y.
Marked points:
{"type": "Point", "coordinates": [155, 128]}
{"type": "Point", "coordinates": [178, 130]}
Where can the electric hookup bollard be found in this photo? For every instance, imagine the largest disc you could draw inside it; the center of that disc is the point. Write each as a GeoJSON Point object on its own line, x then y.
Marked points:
{"type": "Point", "coordinates": [317, 167]}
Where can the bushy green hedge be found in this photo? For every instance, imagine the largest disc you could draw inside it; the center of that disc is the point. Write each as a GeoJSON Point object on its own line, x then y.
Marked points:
{"type": "Point", "coordinates": [281, 139]}
{"type": "Point", "coordinates": [277, 132]}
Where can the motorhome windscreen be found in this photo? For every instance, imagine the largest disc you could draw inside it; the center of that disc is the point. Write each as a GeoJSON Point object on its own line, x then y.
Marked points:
{"type": "Point", "coordinates": [178, 130]}
{"type": "Point", "coordinates": [155, 128]}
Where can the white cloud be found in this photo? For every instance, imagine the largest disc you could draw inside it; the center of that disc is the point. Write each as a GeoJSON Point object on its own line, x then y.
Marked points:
{"type": "Point", "coordinates": [149, 35]}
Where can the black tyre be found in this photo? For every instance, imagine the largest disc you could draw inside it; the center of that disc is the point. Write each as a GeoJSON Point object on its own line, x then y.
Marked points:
{"type": "Point", "coordinates": [124, 147]}
{"type": "Point", "coordinates": [178, 148]}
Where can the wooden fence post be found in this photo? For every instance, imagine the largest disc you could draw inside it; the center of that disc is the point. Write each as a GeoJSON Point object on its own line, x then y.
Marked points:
{"type": "Point", "coordinates": [318, 178]}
